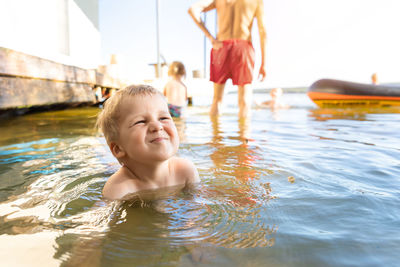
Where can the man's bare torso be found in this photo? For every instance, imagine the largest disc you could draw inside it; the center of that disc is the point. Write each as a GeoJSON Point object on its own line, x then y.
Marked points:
{"type": "Point", "coordinates": [235, 18]}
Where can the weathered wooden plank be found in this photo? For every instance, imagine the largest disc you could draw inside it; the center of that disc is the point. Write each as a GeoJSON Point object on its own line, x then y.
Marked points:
{"type": "Point", "coordinates": [14, 63]}
{"type": "Point", "coordinates": [107, 76]}
{"type": "Point", "coordinates": [20, 93]}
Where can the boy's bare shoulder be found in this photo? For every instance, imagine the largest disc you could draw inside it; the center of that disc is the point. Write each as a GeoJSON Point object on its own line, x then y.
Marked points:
{"type": "Point", "coordinates": [185, 170]}
{"type": "Point", "coordinates": [118, 185]}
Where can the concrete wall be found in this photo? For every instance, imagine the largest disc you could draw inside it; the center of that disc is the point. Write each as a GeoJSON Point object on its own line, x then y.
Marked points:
{"type": "Point", "coordinates": [65, 31]}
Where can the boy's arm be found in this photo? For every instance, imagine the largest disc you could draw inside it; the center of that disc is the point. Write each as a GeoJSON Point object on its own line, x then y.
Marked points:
{"type": "Point", "coordinates": [115, 188]}
{"type": "Point", "coordinates": [263, 38]}
{"type": "Point", "coordinates": [195, 12]}
{"type": "Point", "coordinates": [192, 175]}
{"type": "Point", "coordinates": [110, 193]}
{"type": "Point", "coordinates": [195, 178]}
{"type": "Point", "coordinates": [187, 171]}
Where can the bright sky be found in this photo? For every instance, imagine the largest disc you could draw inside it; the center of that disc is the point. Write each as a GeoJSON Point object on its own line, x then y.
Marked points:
{"type": "Point", "coordinates": [307, 39]}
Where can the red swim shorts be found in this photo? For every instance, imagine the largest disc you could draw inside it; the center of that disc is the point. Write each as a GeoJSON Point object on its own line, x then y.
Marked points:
{"type": "Point", "coordinates": [234, 60]}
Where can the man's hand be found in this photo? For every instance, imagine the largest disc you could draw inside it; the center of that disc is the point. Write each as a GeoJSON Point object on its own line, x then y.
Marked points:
{"type": "Point", "coordinates": [262, 73]}
{"type": "Point", "coordinates": [216, 44]}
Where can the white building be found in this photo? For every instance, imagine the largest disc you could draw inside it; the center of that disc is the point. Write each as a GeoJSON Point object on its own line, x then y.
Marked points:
{"type": "Point", "coordinates": [64, 31]}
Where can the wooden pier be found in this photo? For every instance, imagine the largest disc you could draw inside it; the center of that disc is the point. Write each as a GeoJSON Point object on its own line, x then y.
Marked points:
{"type": "Point", "coordinates": [28, 82]}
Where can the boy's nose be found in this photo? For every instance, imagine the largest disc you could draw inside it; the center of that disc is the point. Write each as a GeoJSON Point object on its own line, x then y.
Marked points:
{"type": "Point", "coordinates": [155, 126]}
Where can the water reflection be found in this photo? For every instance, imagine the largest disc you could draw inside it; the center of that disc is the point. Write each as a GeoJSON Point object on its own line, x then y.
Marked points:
{"type": "Point", "coordinates": [180, 124]}
{"type": "Point", "coordinates": [236, 159]}
{"type": "Point", "coordinates": [237, 180]}
{"type": "Point", "coordinates": [57, 181]}
{"type": "Point", "coordinates": [53, 124]}
{"type": "Point", "coordinates": [355, 113]}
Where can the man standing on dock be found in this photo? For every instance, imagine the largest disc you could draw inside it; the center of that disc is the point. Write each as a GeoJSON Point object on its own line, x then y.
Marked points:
{"type": "Point", "coordinates": [232, 55]}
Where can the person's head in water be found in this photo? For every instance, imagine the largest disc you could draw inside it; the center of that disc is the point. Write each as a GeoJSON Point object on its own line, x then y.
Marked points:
{"type": "Point", "coordinates": [109, 119]}
{"type": "Point", "coordinates": [374, 78]}
{"type": "Point", "coordinates": [276, 93]}
{"type": "Point", "coordinates": [142, 136]}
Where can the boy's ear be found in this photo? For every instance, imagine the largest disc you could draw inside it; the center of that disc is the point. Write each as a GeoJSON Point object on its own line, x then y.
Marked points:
{"type": "Point", "coordinates": [116, 150]}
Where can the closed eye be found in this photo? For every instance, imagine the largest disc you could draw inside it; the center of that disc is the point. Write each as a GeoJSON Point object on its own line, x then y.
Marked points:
{"type": "Point", "coordinates": [139, 122]}
{"type": "Point", "coordinates": [165, 118]}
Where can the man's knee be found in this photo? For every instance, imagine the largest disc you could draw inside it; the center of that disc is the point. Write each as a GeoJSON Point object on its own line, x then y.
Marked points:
{"type": "Point", "coordinates": [218, 91]}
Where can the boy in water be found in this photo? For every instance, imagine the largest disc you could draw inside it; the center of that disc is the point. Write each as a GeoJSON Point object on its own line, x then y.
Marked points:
{"type": "Point", "coordinates": [276, 100]}
{"type": "Point", "coordinates": [142, 136]}
{"type": "Point", "coordinates": [175, 90]}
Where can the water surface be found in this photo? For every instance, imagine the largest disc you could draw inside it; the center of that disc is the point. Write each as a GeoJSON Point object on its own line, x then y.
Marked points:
{"type": "Point", "coordinates": [297, 187]}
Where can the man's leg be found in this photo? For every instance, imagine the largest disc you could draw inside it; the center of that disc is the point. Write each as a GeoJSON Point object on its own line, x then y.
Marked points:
{"type": "Point", "coordinates": [244, 124]}
{"type": "Point", "coordinates": [217, 99]}
{"type": "Point", "coordinates": [245, 97]}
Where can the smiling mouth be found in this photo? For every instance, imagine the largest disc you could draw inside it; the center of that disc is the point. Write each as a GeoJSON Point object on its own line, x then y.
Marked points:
{"type": "Point", "coordinates": [158, 139]}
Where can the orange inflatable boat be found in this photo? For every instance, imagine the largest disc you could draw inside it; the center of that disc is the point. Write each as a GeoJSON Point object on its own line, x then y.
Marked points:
{"type": "Point", "coordinates": [335, 93]}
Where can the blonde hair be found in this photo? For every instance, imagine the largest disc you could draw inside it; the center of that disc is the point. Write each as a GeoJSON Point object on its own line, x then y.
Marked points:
{"type": "Point", "coordinates": [176, 68]}
{"type": "Point", "coordinates": [109, 118]}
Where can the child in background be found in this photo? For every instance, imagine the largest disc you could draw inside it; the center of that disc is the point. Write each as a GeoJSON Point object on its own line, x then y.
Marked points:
{"type": "Point", "coordinates": [143, 138]}
{"type": "Point", "coordinates": [276, 100]}
{"type": "Point", "coordinates": [175, 90]}
{"type": "Point", "coordinates": [374, 78]}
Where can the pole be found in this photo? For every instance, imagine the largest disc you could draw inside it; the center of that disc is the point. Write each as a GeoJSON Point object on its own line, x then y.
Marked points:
{"type": "Point", "coordinates": [205, 50]}
{"type": "Point", "coordinates": [158, 39]}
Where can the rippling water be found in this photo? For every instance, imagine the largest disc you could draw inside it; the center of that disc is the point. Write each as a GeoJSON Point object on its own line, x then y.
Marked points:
{"type": "Point", "coordinates": [297, 187]}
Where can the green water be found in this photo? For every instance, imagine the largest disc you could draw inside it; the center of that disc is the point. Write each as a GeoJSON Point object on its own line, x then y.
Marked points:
{"type": "Point", "coordinates": [297, 187]}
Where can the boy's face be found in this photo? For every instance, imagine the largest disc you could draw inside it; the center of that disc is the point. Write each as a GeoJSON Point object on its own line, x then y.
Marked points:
{"type": "Point", "coordinates": [147, 132]}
